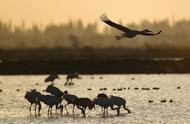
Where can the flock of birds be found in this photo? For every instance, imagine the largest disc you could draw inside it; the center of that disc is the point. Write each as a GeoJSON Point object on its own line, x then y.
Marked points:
{"type": "Point", "coordinates": [56, 96]}
{"type": "Point", "coordinates": [69, 78]}
{"type": "Point", "coordinates": [102, 100]}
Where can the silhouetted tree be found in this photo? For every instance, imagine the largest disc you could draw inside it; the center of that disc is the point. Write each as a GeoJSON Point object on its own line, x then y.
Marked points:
{"type": "Point", "coordinates": [74, 34]}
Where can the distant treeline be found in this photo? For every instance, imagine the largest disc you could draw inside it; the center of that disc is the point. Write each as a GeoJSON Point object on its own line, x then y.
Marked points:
{"type": "Point", "coordinates": [74, 34]}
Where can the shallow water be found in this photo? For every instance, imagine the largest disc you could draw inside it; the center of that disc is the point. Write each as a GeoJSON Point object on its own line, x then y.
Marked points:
{"type": "Point", "coordinates": [14, 108]}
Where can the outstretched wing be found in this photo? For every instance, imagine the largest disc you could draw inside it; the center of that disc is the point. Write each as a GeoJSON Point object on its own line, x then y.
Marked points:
{"type": "Point", "coordinates": [105, 19]}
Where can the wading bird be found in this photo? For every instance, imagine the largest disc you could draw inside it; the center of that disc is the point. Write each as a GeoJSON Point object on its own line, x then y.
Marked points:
{"type": "Point", "coordinates": [51, 78]}
{"type": "Point", "coordinates": [82, 104]}
{"type": "Point", "coordinates": [50, 101]}
{"type": "Point", "coordinates": [118, 101]}
{"type": "Point", "coordinates": [71, 76]}
{"type": "Point", "coordinates": [55, 91]}
{"type": "Point", "coordinates": [31, 96]}
{"type": "Point", "coordinates": [128, 33]}
{"type": "Point", "coordinates": [69, 98]}
{"type": "Point", "coordinates": [104, 103]}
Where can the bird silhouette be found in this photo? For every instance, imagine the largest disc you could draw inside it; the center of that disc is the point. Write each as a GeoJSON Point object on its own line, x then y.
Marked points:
{"type": "Point", "coordinates": [69, 98]}
{"type": "Point", "coordinates": [71, 76]}
{"type": "Point", "coordinates": [51, 78]}
{"type": "Point", "coordinates": [82, 104]}
{"type": "Point", "coordinates": [31, 96]}
{"type": "Point", "coordinates": [50, 101]}
{"type": "Point", "coordinates": [128, 33]}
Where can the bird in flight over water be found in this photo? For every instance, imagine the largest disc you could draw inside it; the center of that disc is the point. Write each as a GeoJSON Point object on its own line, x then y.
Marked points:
{"type": "Point", "coordinates": [128, 33]}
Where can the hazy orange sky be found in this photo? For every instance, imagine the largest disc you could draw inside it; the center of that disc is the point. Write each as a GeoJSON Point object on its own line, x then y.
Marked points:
{"type": "Point", "coordinates": [58, 11]}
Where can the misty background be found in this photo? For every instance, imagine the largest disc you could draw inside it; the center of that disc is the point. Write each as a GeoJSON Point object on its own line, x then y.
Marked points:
{"type": "Point", "coordinates": [62, 36]}
{"type": "Point", "coordinates": [75, 35]}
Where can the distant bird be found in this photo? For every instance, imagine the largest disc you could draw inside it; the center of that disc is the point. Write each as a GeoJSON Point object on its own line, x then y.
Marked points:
{"type": "Point", "coordinates": [163, 101]}
{"type": "Point", "coordinates": [51, 78]}
{"type": "Point", "coordinates": [128, 33]}
{"type": "Point", "coordinates": [31, 96]}
{"type": "Point", "coordinates": [150, 101]}
{"type": "Point", "coordinates": [171, 101]}
{"type": "Point", "coordinates": [71, 76]}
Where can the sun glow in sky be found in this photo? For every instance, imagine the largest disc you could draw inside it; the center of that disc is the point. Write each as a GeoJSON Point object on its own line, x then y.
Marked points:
{"type": "Point", "coordinates": [60, 11]}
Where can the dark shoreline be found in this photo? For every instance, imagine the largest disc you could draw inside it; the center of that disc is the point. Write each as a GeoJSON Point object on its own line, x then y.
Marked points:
{"type": "Point", "coordinates": [124, 66]}
{"type": "Point", "coordinates": [93, 61]}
